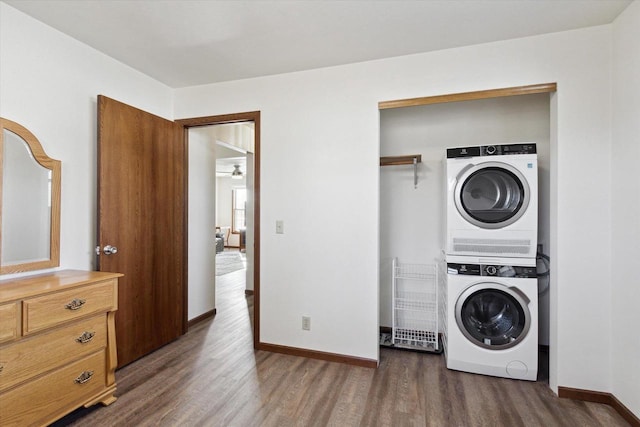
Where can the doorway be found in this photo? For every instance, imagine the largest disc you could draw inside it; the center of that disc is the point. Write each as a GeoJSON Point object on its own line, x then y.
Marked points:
{"type": "Point", "coordinates": [246, 239]}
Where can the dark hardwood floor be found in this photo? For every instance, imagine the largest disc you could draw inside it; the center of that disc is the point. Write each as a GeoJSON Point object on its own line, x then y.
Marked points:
{"type": "Point", "coordinates": [213, 377]}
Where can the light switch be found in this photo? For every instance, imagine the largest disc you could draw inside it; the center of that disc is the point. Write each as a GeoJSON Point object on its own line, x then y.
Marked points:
{"type": "Point", "coordinates": [279, 226]}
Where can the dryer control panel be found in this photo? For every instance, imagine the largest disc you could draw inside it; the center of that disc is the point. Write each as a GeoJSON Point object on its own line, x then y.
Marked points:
{"type": "Point", "coordinates": [492, 270]}
{"type": "Point", "coordinates": [492, 150]}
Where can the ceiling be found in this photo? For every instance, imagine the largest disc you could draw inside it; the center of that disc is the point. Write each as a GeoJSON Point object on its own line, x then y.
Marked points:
{"type": "Point", "coordinates": [225, 166]}
{"type": "Point", "coordinates": [187, 42]}
{"type": "Point", "coordinates": [226, 158]}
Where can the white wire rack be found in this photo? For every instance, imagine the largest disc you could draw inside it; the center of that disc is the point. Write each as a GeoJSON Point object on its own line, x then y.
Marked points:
{"type": "Point", "coordinates": [415, 306]}
{"type": "Point", "coordinates": [442, 287]}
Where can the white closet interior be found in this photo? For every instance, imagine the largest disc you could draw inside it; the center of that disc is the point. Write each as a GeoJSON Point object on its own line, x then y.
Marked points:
{"type": "Point", "coordinates": [412, 216]}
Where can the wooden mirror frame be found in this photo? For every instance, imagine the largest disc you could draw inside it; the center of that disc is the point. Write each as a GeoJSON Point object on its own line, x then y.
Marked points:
{"type": "Point", "coordinates": [55, 167]}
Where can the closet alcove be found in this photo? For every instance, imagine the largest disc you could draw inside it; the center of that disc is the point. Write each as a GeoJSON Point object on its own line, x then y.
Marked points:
{"type": "Point", "coordinates": [412, 217]}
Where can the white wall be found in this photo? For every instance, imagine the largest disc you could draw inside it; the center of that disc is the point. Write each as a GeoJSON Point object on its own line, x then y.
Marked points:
{"type": "Point", "coordinates": [49, 83]}
{"type": "Point", "coordinates": [250, 217]}
{"type": "Point", "coordinates": [324, 132]}
{"type": "Point", "coordinates": [411, 220]}
{"type": "Point", "coordinates": [202, 224]}
{"type": "Point", "coordinates": [321, 127]}
{"type": "Point", "coordinates": [625, 189]}
{"type": "Point", "coordinates": [321, 265]}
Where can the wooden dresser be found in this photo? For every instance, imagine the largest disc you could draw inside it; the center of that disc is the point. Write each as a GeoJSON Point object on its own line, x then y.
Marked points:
{"type": "Point", "coordinates": [57, 345]}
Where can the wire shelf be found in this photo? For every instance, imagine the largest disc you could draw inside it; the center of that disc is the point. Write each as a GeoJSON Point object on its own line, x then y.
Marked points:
{"type": "Point", "coordinates": [442, 287]}
{"type": "Point", "coordinates": [415, 306]}
{"type": "Point", "coordinates": [414, 271]}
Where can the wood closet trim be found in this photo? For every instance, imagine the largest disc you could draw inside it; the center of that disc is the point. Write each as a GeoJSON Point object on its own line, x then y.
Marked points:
{"type": "Point", "coordinates": [469, 96]}
{"type": "Point", "coordinates": [249, 116]}
{"type": "Point", "coordinates": [600, 397]}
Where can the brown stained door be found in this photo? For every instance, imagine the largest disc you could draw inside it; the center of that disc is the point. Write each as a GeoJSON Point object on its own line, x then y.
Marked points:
{"type": "Point", "coordinates": [141, 212]}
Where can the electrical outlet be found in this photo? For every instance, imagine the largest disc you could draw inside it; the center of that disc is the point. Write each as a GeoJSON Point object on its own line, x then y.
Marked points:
{"type": "Point", "coordinates": [306, 323]}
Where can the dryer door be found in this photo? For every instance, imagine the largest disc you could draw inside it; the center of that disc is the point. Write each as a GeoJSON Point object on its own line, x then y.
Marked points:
{"type": "Point", "coordinates": [493, 316]}
{"type": "Point", "coordinates": [491, 195]}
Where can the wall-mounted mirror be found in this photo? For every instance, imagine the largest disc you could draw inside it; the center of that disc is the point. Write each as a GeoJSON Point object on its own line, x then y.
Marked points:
{"type": "Point", "coordinates": [30, 209]}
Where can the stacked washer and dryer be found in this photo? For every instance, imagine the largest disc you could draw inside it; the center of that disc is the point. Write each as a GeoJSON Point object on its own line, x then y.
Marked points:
{"type": "Point", "coordinates": [491, 309]}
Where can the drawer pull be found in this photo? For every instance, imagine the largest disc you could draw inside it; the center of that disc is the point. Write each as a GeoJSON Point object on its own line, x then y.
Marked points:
{"type": "Point", "coordinates": [75, 304]}
{"type": "Point", "coordinates": [1, 368]}
{"type": "Point", "coordinates": [84, 377]}
{"type": "Point", "coordinates": [85, 337]}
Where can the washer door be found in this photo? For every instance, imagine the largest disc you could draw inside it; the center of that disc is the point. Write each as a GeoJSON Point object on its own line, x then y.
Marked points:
{"type": "Point", "coordinates": [491, 195]}
{"type": "Point", "coordinates": [493, 316]}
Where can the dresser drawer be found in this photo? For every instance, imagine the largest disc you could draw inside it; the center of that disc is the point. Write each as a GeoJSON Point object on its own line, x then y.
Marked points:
{"type": "Point", "coordinates": [49, 310]}
{"type": "Point", "coordinates": [41, 401]}
{"type": "Point", "coordinates": [9, 321]}
{"type": "Point", "coordinates": [32, 356]}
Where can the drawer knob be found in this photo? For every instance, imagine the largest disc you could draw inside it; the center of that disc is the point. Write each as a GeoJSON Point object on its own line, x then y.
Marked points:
{"type": "Point", "coordinates": [84, 377]}
{"type": "Point", "coordinates": [85, 337]}
{"type": "Point", "coordinates": [75, 304]}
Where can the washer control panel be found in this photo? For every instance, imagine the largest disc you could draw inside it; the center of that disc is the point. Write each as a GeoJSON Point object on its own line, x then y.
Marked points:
{"type": "Point", "coordinates": [492, 270]}
{"type": "Point", "coordinates": [492, 150]}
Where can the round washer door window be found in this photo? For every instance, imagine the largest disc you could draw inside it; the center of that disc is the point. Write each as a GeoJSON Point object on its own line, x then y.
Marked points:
{"type": "Point", "coordinates": [492, 195]}
{"type": "Point", "coordinates": [493, 316]}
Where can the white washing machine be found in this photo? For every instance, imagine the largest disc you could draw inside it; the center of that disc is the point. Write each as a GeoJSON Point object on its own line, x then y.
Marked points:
{"type": "Point", "coordinates": [492, 317]}
{"type": "Point", "coordinates": [492, 201]}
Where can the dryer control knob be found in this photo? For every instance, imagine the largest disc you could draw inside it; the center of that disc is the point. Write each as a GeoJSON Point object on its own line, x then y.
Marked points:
{"type": "Point", "coordinates": [491, 270]}
{"type": "Point", "coordinates": [491, 149]}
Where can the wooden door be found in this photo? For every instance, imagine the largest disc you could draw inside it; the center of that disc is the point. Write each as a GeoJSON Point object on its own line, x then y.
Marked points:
{"type": "Point", "coordinates": [141, 211]}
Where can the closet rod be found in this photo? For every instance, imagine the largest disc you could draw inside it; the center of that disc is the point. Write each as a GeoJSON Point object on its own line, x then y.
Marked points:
{"type": "Point", "coordinates": [412, 159]}
{"type": "Point", "coordinates": [400, 160]}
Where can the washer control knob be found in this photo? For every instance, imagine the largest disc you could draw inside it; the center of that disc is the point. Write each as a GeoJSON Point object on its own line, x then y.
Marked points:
{"type": "Point", "coordinates": [491, 270]}
{"type": "Point", "coordinates": [491, 149]}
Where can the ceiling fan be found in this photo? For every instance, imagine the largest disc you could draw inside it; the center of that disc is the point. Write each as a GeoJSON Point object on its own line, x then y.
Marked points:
{"type": "Point", "coordinates": [236, 173]}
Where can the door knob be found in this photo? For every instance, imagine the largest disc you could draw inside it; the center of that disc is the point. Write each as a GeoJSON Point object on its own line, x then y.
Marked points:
{"type": "Point", "coordinates": [110, 250]}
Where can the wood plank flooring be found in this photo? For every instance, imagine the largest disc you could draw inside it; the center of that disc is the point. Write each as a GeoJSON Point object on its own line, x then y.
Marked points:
{"type": "Point", "coordinates": [213, 377]}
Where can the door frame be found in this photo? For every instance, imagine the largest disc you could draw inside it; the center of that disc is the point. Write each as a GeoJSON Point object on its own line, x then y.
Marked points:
{"type": "Point", "coordinates": [250, 116]}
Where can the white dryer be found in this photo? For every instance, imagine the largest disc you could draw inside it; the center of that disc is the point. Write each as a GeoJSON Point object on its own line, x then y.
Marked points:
{"type": "Point", "coordinates": [492, 201]}
{"type": "Point", "coordinates": [492, 317]}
